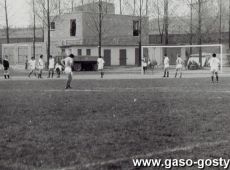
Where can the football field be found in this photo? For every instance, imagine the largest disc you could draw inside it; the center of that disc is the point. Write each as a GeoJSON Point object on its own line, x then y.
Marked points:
{"type": "Point", "coordinates": [104, 124]}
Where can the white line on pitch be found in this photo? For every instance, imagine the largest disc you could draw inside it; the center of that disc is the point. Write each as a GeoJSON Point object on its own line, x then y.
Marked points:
{"type": "Point", "coordinates": [151, 154]}
{"type": "Point", "coordinates": [77, 90]}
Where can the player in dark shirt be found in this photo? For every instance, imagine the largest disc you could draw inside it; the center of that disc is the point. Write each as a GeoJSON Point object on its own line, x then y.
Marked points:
{"type": "Point", "coordinates": [6, 66]}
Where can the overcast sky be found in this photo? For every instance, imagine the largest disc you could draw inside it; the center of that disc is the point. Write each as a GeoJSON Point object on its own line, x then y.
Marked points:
{"type": "Point", "coordinates": [20, 14]}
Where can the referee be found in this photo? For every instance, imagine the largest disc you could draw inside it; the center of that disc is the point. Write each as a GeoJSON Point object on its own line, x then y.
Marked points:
{"type": "Point", "coordinates": [6, 66]}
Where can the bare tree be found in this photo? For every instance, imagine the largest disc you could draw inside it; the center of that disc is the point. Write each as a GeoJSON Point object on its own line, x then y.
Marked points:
{"type": "Point", "coordinates": [34, 28]}
{"type": "Point", "coordinates": [7, 22]}
{"type": "Point", "coordinates": [166, 23]}
{"type": "Point", "coordinates": [229, 24]}
{"type": "Point", "coordinates": [220, 21]}
{"type": "Point", "coordinates": [120, 5]}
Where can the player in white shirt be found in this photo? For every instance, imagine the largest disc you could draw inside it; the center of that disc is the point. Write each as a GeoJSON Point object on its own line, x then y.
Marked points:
{"type": "Point", "coordinates": [100, 65]}
{"type": "Point", "coordinates": [179, 65]}
{"type": "Point", "coordinates": [214, 64]}
{"type": "Point", "coordinates": [68, 62]}
{"type": "Point", "coordinates": [166, 66]}
{"type": "Point", "coordinates": [51, 66]}
{"type": "Point", "coordinates": [58, 69]}
{"type": "Point", "coordinates": [32, 64]}
{"type": "Point", "coordinates": [40, 66]}
{"type": "Point", "coordinates": [144, 65]}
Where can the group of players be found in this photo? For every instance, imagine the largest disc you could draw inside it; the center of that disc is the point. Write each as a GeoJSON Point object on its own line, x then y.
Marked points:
{"type": "Point", "coordinates": [214, 67]}
{"type": "Point", "coordinates": [36, 68]}
{"type": "Point", "coordinates": [68, 64]}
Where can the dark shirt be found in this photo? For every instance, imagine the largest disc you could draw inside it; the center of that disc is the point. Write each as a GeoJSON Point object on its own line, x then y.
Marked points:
{"type": "Point", "coordinates": [6, 64]}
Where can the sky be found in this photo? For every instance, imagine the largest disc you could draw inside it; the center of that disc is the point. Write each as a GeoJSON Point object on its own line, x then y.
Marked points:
{"type": "Point", "coordinates": [19, 13]}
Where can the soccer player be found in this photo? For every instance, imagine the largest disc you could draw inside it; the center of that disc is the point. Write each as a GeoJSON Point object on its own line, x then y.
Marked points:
{"type": "Point", "coordinates": [144, 64]}
{"type": "Point", "coordinates": [100, 64]}
{"type": "Point", "coordinates": [40, 66]}
{"type": "Point", "coordinates": [58, 69]}
{"type": "Point", "coordinates": [6, 66]}
{"type": "Point", "coordinates": [32, 64]}
{"type": "Point", "coordinates": [51, 66]}
{"type": "Point", "coordinates": [68, 62]}
{"type": "Point", "coordinates": [214, 64]}
{"type": "Point", "coordinates": [179, 65]}
{"type": "Point", "coordinates": [166, 66]}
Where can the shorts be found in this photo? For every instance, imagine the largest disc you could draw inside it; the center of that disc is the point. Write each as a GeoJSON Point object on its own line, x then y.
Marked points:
{"type": "Point", "coordinates": [6, 68]}
{"type": "Point", "coordinates": [68, 70]}
{"type": "Point", "coordinates": [179, 66]}
{"type": "Point", "coordinates": [214, 70]}
{"type": "Point", "coordinates": [100, 67]}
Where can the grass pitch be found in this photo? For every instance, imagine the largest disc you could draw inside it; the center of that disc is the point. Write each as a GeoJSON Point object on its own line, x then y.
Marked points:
{"type": "Point", "coordinates": [45, 127]}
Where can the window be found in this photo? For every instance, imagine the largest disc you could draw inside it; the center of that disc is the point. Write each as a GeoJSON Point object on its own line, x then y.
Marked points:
{"type": "Point", "coordinates": [135, 28]}
{"type": "Point", "coordinates": [52, 25]}
{"type": "Point", "coordinates": [88, 51]}
{"type": "Point", "coordinates": [79, 52]}
{"type": "Point", "coordinates": [73, 27]}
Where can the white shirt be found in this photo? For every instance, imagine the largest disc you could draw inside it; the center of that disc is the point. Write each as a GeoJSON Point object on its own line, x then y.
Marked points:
{"type": "Point", "coordinates": [179, 61]}
{"type": "Point", "coordinates": [51, 63]}
{"type": "Point", "coordinates": [40, 64]}
{"type": "Point", "coordinates": [144, 64]}
{"type": "Point", "coordinates": [68, 62]}
{"type": "Point", "coordinates": [100, 63]}
{"type": "Point", "coordinates": [166, 61]}
{"type": "Point", "coordinates": [214, 63]}
{"type": "Point", "coordinates": [32, 64]}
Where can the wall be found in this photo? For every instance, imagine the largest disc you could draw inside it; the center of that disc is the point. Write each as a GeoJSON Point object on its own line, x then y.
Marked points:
{"type": "Point", "coordinates": [17, 52]}
{"type": "Point", "coordinates": [115, 53]}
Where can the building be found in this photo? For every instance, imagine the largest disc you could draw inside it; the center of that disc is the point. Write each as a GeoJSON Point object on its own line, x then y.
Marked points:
{"type": "Point", "coordinates": [78, 32]}
{"type": "Point", "coordinates": [19, 35]}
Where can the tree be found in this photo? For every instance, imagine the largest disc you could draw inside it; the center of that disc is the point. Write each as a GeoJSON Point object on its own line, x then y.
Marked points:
{"type": "Point", "coordinates": [7, 22]}
{"type": "Point", "coordinates": [166, 24]}
{"type": "Point", "coordinates": [34, 29]}
{"type": "Point", "coordinates": [44, 9]}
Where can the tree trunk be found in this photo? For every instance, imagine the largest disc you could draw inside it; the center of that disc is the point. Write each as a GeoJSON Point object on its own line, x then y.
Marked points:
{"type": "Point", "coordinates": [134, 6]}
{"type": "Point", "coordinates": [100, 29]}
{"type": "Point", "coordinates": [120, 7]}
{"type": "Point", "coordinates": [140, 33]}
{"type": "Point", "coordinates": [7, 23]}
{"type": "Point", "coordinates": [191, 26]}
{"type": "Point", "coordinates": [199, 32]}
{"type": "Point", "coordinates": [165, 25]}
{"type": "Point", "coordinates": [34, 29]}
{"type": "Point", "coordinates": [229, 25]}
{"type": "Point", "coordinates": [48, 29]}
{"type": "Point", "coordinates": [146, 7]}
{"type": "Point", "coordinates": [220, 21]}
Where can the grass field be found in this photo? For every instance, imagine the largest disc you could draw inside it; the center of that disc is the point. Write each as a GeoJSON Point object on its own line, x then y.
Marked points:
{"type": "Point", "coordinates": [100, 124]}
